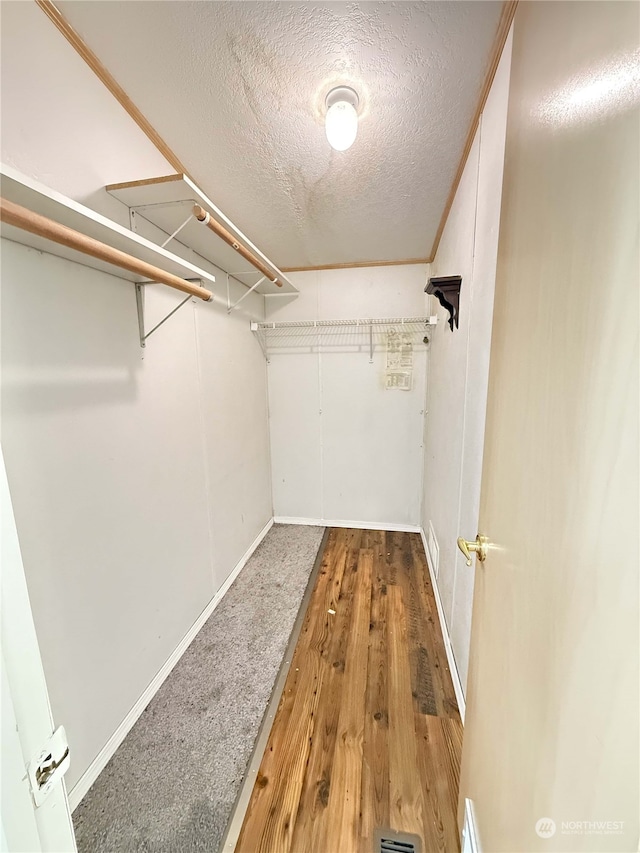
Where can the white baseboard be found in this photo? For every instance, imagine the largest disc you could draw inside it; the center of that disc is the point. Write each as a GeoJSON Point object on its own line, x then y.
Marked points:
{"type": "Point", "coordinates": [455, 677]}
{"type": "Point", "coordinates": [106, 753]}
{"type": "Point", "coordinates": [470, 840]}
{"type": "Point", "coordinates": [358, 525]}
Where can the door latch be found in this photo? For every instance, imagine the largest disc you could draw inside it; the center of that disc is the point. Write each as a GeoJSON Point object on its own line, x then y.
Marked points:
{"type": "Point", "coordinates": [49, 766]}
{"type": "Point", "coordinates": [479, 546]}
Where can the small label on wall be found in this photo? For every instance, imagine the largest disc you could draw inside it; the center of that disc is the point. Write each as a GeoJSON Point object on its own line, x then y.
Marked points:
{"type": "Point", "coordinates": [398, 380]}
{"type": "Point", "coordinates": [399, 373]}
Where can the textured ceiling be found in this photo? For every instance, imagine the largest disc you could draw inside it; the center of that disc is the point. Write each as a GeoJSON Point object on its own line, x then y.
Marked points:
{"type": "Point", "coordinates": [237, 90]}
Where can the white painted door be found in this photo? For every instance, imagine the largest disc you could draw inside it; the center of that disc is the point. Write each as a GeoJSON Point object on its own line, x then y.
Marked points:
{"type": "Point", "coordinates": [550, 757]}
{"type": "Point", "coordinates": [27, 723]}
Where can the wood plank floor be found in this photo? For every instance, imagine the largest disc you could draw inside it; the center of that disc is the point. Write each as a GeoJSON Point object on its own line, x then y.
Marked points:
{"type": "Point", "coordinates": [367, 732]}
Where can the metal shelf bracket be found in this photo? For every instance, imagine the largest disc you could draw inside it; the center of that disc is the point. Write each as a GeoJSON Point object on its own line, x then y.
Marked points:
{"type": "Point", "coordinates": [177, 231]}
{"type": "Point", "coordinates": [255, 328]}
{"type": "Point", "coordinates": [244, 295]}
{"type": "Point", "coordinates": [140, 308]}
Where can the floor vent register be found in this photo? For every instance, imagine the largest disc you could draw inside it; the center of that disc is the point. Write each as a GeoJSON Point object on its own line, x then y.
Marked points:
{"type": "Point", "coordinates": [389, 841]}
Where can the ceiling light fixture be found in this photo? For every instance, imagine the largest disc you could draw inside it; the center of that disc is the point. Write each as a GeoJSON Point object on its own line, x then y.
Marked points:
{"type": "Point", "coordinates": [342, 117]}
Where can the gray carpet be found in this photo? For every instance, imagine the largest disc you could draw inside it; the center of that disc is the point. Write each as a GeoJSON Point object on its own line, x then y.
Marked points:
{"type": "Point", "coordinates": [171, 785]}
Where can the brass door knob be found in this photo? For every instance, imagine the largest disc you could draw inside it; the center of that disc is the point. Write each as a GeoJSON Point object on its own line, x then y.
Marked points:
{"type": "Point", "coordinates": [479, 546]}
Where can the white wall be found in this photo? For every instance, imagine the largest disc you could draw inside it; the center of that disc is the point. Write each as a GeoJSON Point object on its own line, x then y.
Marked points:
{"type": "Point", "coordinates": [59, 123]}
{"type": "Point", "coordinates": [459, 365]}
{"type": "Point", "coordinates": [344, 448]}
{"type": "Point", "coordinates": [138, 480]}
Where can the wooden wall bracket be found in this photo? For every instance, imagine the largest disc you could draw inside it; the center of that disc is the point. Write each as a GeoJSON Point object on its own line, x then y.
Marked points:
{"type": "Point", "coordinates": [446, 289]}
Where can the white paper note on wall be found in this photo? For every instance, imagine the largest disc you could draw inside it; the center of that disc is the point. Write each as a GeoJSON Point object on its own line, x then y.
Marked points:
{"type": "Point", "coordinates": [399, 372]}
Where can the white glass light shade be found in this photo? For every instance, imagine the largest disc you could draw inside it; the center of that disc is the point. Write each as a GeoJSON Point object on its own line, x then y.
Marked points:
{"type": "Point", "coordinates": [341, 125]}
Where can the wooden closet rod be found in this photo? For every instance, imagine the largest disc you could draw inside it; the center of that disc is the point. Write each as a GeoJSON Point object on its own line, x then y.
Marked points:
{"type": "Point", "coordinates": [28, 220]}
{"type": "Point", "coordinates": [202, 216]}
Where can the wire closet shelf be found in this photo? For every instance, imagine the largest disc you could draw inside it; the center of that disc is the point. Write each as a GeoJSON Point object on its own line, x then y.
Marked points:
{"type": "Point", "coordinates": [365, 334]}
